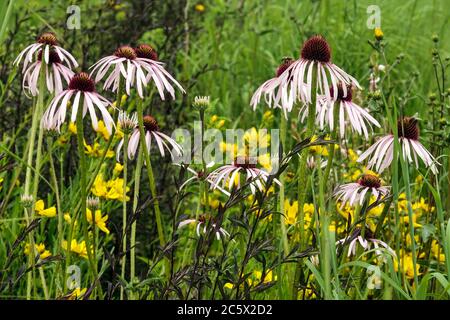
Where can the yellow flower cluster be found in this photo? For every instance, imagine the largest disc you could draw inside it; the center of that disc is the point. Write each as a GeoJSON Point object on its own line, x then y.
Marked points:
{"type": "Point", "coordinates": [99, 220]}
{"type": "Point", "coordinates": [39, 208]}
{"type": "Point", "coordinates": [291, 212]}
{"type": "Point", "coordinates": [255, 279]}
{"type": "Point", "coordinates": [112, 189]}
{"type": "Point", "coordinates": [216, 122]}
{"type": "Point", "coordinates": [418, 209]}
{"type": "Point", "coordinates": [96, 152]}
{"type": "Point", "coordinates": [76, 247]}
{"type": "Point", "coordinates": [40, 249]}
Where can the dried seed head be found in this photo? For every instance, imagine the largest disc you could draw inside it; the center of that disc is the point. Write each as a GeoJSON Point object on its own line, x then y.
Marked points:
{"type": "Point", "coordinates": [408, 128]}
{"type": "Point", "coordinates": [93, 203]}
{"type": "Point", "coordinates": [201, 102]}
{"type": "Point", "coordinates": [150, 124]}
{"type": "Point", "coordinates": [146, 51]}
{"type": "Point", "coordinates": [316, 48]}
{"type": "Point", "coordinates": [127, 122]}
{"type": "Point", "coordinates": [245, 162]}
{"type": "Point", "coordinates": [370, 181]}
{"type": "Point", "coordinates": [82, 82]}
{"type": "Point", "coordinates": [125, 52]}
{"type": "Point", "coordinates": [48, 38]}
{"type": "Point", "coordinates": [284, 65]}
{"type": "Point", "coordinates": [26, 200]}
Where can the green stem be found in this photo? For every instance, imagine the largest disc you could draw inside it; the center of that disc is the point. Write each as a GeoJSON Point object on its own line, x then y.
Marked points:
{"type": "Point", "coordinates": [151, 178]}
{"type": "Point", "coordinates": [124, 210]}
{"type": "Point", "coordinates": [331, 150]}
{"type": "Point", "coordinates": [83, 172]}
{"type": "Point", "coordinates": [302, 180]}
{"type": "Point", "coordinates": [205, 195]}
{"type": "Point", "coordinates": [137, 180]}
{"type": "Point", "coordinates": [37, 115]}
{"type": "Point", "coordinates": [57, 196]}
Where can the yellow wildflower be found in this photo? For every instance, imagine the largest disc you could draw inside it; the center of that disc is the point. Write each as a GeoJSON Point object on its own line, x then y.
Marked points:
{"type": "Point", "coordinates": [72, 128]}
{"type": "Point", "coordinates": [352, 155]}
{"type": "Point", "coordinates": [231, 149]}
{"type": "Point", "coordinates": [407, 265]}
{"type": "Point", "coordinates": [421, 206]}
{"type": "Point", "coordinates": [290, 212]}
{"type": "Point", "coordinates": [96, 152]}
{"type": "Point", "coordinates": [268, 277]}
{"type": "Point", "coordinates": [40, 249]}
{"type": "Point", "coordinates": [378, 33]}
{"type": "Point", "coordinates": [67, 218]}
{"type": "Point", "coordinates": [265, 161]}
{"type": "Point", "coordinates": [254, 137]}
{"type": "Point", "coordinates": [199, 7]}
{"type": "Point", "coordinates": [101, 129]}
{"type": "Point", "coordinates": [99, 220]}
{"type": "Point", "coordinates": [268, 116]}
{"type": "Point", "coordinates": [115, 191]}
{"type": "Point", "coordinates": [39, 207]}
{"type": "Point", "coordinates": [78, 248]}
{"type": "Point", "coordinates": [437, 251]}
{"type": "Point", "coordinates": [99, 188]}
{"type": "Point", "coordinates": [76, 294]}
{"type": "Point", "coordinates": [118, 168]}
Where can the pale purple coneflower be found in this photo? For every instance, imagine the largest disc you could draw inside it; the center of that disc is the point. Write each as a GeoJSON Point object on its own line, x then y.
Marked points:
{"type": "Point", "coordinates": [46, 48]}
{"type": "Point", "coordinates": [274, 94]}
{"type": "Point", "coordinates": [355, 192]}
{"type": "Point", "coordinates": [358, 117]}
{"type": "Point", "coordinates": [246, 165]}
{"type": "Point", "coordinates": [315, 54]}
{"type": "Point", "coordinates": [152, 131]}
{"type": "Point", "coordinates": [126, 65]}
{"type": "Point", "coordinates": [156, 71]}
{"type": "Point", "coordinates": [382, 151]}
{"type": "Point", "coordinates": [366, 242]}
{"type": "Point", "coordinates": [136, 66]}
{"type": "Point", "coordinates": [81, 86]}
{"type": "Point", "coordinates": [204, 221]}
{"type": "Point", "coordinates": [199, 176]}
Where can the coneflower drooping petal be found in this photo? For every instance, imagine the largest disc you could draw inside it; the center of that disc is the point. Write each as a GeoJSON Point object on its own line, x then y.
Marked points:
{"type": "Point", "coordinates": [275, 95]}
{"type": "Point", "coordinates": [230, 173]}
{"type": "Point", "coordinates": [381, 153]}
{"type": "Point", "coordinates": [46, 52]}
{"type": "Point", "coordinates": [356, 192]}
{"type": "Point", "coordinates": [366, 242]}
{"type": "Point", "coordinates": [81, 87]}
{"type": "Point", "coordinates": [202, 224]}
{"type": "Point", "coordinates": [161, 78]}
{"type": "Point", "coordinates": [152, 132]}
{"type": "Point", "coordinates": [315, 54]}
{"type": "Point", "coordinates": [357, 116]}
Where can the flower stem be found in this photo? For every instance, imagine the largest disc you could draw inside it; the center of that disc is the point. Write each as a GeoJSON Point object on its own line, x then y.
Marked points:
{"type": "Point", "coordinates": [124, 210]}
{"type": "Point", "coordinates": [205, 182]}
{"type": "Point", "coordinates": [151, 178]}
{"type": "Point", "coordinates": [83, 172]}
{"type": "Point", "coordinates": [37, 115]}
{"type": "Point", "coordinates": [58, 199]}
{"type": "Point", "coordinates": [137, 183]}
{"type": "Point", "coordinates": [331, 150]}
{"type": "Point", "coordinates": [302, 181]}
